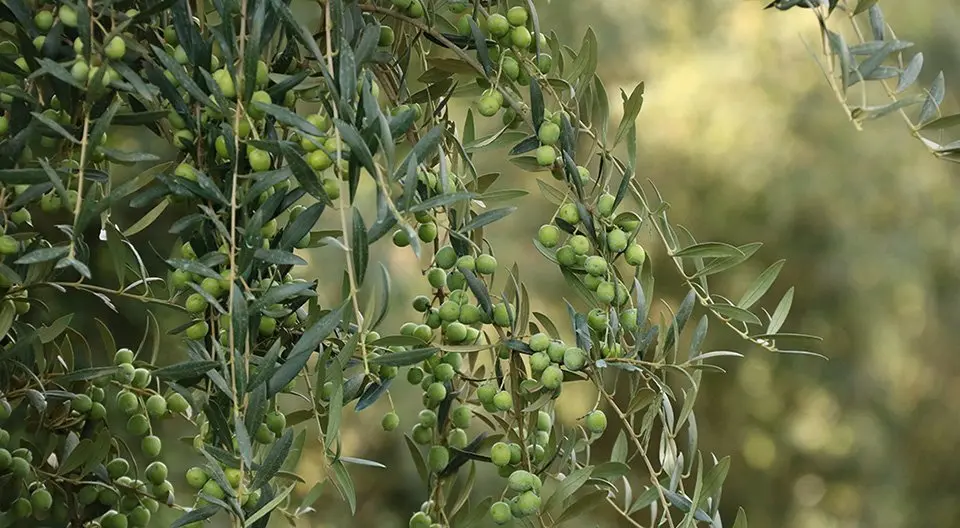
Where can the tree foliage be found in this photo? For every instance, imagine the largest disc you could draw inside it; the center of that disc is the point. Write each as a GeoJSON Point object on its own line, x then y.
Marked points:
{"type": "Point", "coordinates": [281, 128]}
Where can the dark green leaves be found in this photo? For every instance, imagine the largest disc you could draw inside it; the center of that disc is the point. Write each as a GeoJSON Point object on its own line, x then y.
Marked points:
{"type": "Point", "coordinates": [305, 175]}
{"type": "Point", "coordinates": [358, 148]}
{"type": "Point", "coordinates": [185, 370]}
{"type": "Point", "coordinates": [486, 218]}
{"type": "Point", "coordinates": [405, 358]}
{"type": "Point", "coordinates": [43, 255]}
{"type": "Point", "coordinates": [359, 247]}
{"type": "Point", "coordinates": [631, 108]}
{"type": "Point", "coordinates": [274, 460]}
{"type": "Point", "coordinates": [483, 54]}
{"type": "Point", "coordinates": [536, 103]}
{"type": "Point", "coordinates": [301, 351]}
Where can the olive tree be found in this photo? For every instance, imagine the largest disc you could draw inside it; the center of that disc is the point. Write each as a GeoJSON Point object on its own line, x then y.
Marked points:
{"type": "Point", "coordinates": [872, 54]}
{"type": "Point", "coordinates": [276, 125]}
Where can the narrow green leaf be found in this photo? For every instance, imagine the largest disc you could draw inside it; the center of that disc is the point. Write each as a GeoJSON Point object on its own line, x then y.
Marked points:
{"type": "Point", "coordinates": [358, 148]}
{"type": "Point", "coordinates": [148, 218]}
{"type": "Point", "coordinates": [862, 7]}
{"type": "Point", "coordinates": [485, 218]}
{"type": "Point", "coordinates": [931, 107]}
{"type": "Point", "coordinates": [43, 255]}
{"type": "Point", "coordinates": [741, 521]}
{"type": "Point", "coordinates": [567, 487]}
{"type": "Point", "coordinates": [269, 507]}
{"type": "Point", "coordinates": [709, 249]}
{"type": "Point", "coordinates": [910, 73]}
{"type": "Point", "coordinates": [536, 103]}
{"type": "Point", "coordinates": [185, 370]}
{"type": "Point", "coordinates": [761, 285]}
{"type": "Point", "coordinates": [735, 313]}
{"type": "Point", "coordinates": [405, 358]}
{"type": "Point", "coordinates": [359, 247]}
{"type": "Point", "coordinates": [345, 484]}
{"type": "Point", "coordinates": [942, 123]}
{"type": "Point", "coordinates": [631, 108]}
{"type": "Point", "coordinates": [276, 256]}
{"type": "Point", "coordinates": [780, 314]}
{"type": "Point", "coordinates": [274, 460]}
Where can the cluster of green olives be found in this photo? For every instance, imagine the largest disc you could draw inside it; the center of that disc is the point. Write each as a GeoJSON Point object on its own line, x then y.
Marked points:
{"type": "Point", "coordinates": [215, 286]}
{"type": "Point", "coordinates": [594, 266]}
{"type": "Point", "coordinates": [115, 497]}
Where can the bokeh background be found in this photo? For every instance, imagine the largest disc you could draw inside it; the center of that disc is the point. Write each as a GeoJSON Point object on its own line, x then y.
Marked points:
{"type": "Point", "coordinates": [743, 136]}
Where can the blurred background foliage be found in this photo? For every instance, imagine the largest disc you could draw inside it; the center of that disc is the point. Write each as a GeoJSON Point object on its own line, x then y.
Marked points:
{"type": "Point", "coordinates": [741, 134]}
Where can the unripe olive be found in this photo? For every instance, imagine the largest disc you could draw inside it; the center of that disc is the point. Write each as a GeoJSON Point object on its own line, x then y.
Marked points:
{"type": "Point", "coordinates": [138, 425]}
{"type": "Point", "coordinates": [486, 264]}
{"type": "Point", "coordinates": [548, 236]}
{"type": "Point", "coordinates": [156, 472]}
{"type": "Point", "coordinates": [568, 213]}
{"type": "Point", "coordinates": [116, 48]}
{"type": "Point", "coordinates": [419, 519]}
{"type": "Point", "coordinates": [82, 403]}
{"type": "Point", "coordinates": [176, 403]}
{"type": "Point", "coordinates": [503, 401]}
{"type": "Point", "coordinates": [500, 512]}
{"type": "Point", "coordinates": [517, 16]}
{"type": "Point", "coordinates": [486, 392]}
{"type": "Point", "coordinates": [416, 9]}
{"type": "Point", "coordinates": [117, 468]}
{"type": "Point", "coordinates": [596, 422]}
{"type": "Point", "coordinates": [549, 133]}
{"type": "Point", "coordinates": [635, 255]}
{"type": "Point", "coordinates": [422, 434]}
{"type": "Point", "coordinates": [234, 476]}
{"type": "Point", "coordinates": [546, 155]}
{"type": "Point", "coordinates": [125, 373]}
{"type": "Point", "coordinates": [151, 446]}
{"type": "Point", "coordinates": [331, 187]}
{"type": "Point", "coordinates": [213, 489]}
{"type": "Point", "coordinates": [605, 204]}
{"type": "Point", "coordinates": [597, 319]}
{"type": "Point", "coordinates": [462, 416]}
{"type": "Point", "coordinates": [521, 37]}
{"type": "Point", "coordinates": [616, 240]}
{"type": "Point", "coordinates": [264, 435]}
{"type": "Point", "coordinates": [225, 83]}
{"type": "Point", "coordinates": [139, 516]}
{"type": "Point", "coordinates": [552, 377]}
{"type": "Point", "coordinates": [141, 378]}
{"type": "Point", "coordinates": [21, 508]}
{"type": "Point", "coordinates": [488, 106]}
{"type": "Point", "coordinates": [196, 303]}
{"type": "Point", "coordinates": [67, 15]}
{"type": "Point", "coordinates": [606, 292]}
{"type": "Point", "coordinates": [528, 503]}
{"type": "Point", "coordinates": [500, 454]}
{"type": "Point", "coordinates": [574, 358]}
{"type": "Point", "coordinates": [156, 405]}
{"type": "Point", "coordinates": [539, 342]}
{"type": "Point", "coordinates": [9, 245]}
{"type": "Point", "coordinates": [503, 314]}
{"type": "Point", "coordinates": [198, 330]}
{"type": "Point", "coordinates": [427, 231]}
{"type": "Point", "coordinates": [196, 477]}
{"type": "Point", "coordinates": [390, 421]}
{"type": "Point", "coordinates": [457, 438]}
{"type": "Point", "coordinates": [539, 361]}
{"type": "Point", "coordinates": [595, 265]}
{"type": "Point", "coordinates": [415, 375]}
{"type": "Point", "coordinates": [544, 421]}
{"type": "Point", "coordinates": [438, 458]}
{"type": "Point", "coordinates": [436, 392]}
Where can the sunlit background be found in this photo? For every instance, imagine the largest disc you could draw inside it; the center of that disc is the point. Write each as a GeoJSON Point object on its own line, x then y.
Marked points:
{"type": "Point", "coordinates": [743, 136]}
